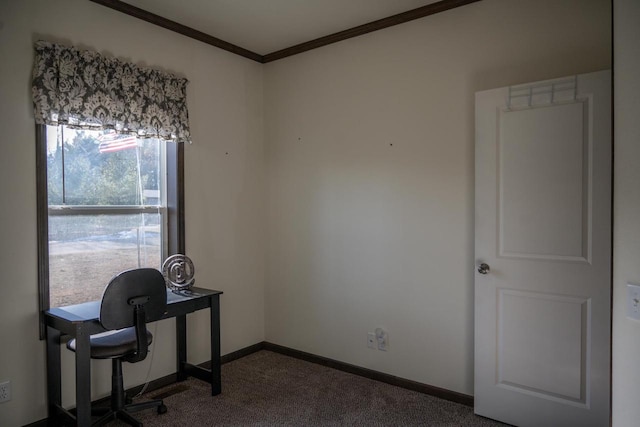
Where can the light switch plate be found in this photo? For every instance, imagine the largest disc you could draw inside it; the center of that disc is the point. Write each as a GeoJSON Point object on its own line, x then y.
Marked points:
{"type": "Point", "coordinates": [633, 301]}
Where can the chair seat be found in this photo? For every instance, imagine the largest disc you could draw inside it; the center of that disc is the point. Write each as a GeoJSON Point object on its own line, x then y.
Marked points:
{"type": "Point", "coordinates": [112, 344]}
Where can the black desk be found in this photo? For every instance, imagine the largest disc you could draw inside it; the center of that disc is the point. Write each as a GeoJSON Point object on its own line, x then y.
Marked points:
{"type": "Point", "coordinates": [81, 321]}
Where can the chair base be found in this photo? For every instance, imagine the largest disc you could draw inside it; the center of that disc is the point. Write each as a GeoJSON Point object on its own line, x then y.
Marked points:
{"type": "Point", "coordinates": [121, 407]}
{"type": "Point", "coordinates": [124, 413]}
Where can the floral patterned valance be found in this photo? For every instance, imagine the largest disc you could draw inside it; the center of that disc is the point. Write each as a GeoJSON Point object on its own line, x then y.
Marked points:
{"type": "Point", "coordinates": [83, 89]}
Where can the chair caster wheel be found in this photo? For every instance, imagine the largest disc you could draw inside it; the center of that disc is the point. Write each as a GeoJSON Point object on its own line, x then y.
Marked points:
{"type": "Point", "coordinates": [162, 409]}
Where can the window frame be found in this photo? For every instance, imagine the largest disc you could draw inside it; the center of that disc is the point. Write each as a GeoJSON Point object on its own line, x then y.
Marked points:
{"type": "Point", "coordinates": [174, 167]}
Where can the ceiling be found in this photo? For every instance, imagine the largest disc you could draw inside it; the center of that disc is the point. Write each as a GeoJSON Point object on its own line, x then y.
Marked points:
{"type": "Point", "coordinates": [265, 26]}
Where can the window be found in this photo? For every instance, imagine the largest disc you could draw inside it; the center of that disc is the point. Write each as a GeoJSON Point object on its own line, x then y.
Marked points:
{"type": "Point", "coordinates": [107, 209]}
{"type": "Point", "coordinates": [107, 202]}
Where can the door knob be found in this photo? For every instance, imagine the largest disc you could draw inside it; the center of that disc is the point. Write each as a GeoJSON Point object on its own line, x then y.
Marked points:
{"type": "Point", "coordinates": [484, 268]}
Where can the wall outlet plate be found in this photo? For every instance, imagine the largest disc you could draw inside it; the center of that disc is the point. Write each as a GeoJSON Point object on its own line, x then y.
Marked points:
{"type": "Point", "coordinates": [5, 391]}
{"type": "Point", "coordinates": [371, 340]}
{"type": "Point", "coordinates": [633, 301]}
{"type": "Point", "coordinates": [382, 337]}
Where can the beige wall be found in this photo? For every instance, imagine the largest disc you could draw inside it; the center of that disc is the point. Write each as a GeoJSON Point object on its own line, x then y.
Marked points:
{"type": "Point", "coordinates": [224, 195]}
{"type": "Point", "coordinates": [626, 211]}
{"type": "Point", "coordinates": [363, 233]}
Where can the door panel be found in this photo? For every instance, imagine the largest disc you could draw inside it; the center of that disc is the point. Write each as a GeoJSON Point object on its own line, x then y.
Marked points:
{"type": "Point", "coordinates": [543, 160]}
{"type": "Point", "coordinates": [543, 200]}
{"type": "Point", "coordinates": [541, 344]}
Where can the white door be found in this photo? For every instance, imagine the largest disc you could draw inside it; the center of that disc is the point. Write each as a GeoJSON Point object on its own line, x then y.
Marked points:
{"type": "Point", "coordinates": [542, 231]}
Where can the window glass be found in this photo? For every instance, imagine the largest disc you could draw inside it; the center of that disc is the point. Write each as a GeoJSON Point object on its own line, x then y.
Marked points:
{"type": "Point", "coordinates": [86, 251]}
{"type": "Point", "coordinates": [106, 210]}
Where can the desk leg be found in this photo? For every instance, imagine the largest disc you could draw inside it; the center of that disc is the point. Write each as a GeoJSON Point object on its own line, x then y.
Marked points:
{"type": "Point", "coordinates": [54, 376]}
{"type": "Point", "coordinates": [216, 374]}
{"type": "Point", "coordinates": [83, 377]}
{"type": "Point", "coordinates": [181, 346]}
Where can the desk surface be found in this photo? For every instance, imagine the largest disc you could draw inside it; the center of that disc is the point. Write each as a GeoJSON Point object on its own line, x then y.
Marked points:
{"type": "Point", "coordinates": [90, 311]}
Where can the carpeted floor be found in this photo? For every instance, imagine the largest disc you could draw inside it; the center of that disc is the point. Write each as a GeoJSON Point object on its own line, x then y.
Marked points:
{"type": "Point", "coordinates": [269, 389]}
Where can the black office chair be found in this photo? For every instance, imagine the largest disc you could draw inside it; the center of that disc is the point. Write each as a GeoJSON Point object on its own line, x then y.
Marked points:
{"type": "Point", "coordinates": [131, 300]}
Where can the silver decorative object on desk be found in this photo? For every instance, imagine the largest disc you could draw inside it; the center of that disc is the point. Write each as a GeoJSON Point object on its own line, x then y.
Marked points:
{"type": "Point", "coordinates": [178, 272]}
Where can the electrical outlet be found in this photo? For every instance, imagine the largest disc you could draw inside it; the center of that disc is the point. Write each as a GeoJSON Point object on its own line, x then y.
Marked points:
{"type": "Point", "coordinates": [5, 391]}
{"type": "Point", "coordinates": [371, 340]}
{"type": "Point", "coordinates": [382, 337]}
{"type": "Point", "coordinates": [633, 301]}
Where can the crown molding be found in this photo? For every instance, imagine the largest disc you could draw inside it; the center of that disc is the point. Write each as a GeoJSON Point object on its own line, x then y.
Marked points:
{"type": "Point", "coordinates": [400, 18]}
{"type": "Point", "coordinates": [176, 27]}
{"type": "Point", "coordinates": [380, 24]}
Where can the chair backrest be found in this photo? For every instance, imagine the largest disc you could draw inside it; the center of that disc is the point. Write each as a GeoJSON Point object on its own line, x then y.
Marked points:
{"type": "Point", "coordinates": [141, 287]}
{"type": "Point", "coordinates": [134, 298]}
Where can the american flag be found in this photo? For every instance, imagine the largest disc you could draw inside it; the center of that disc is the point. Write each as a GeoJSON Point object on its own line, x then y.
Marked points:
{"type": "Point", "coordinates": [111, 142]}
